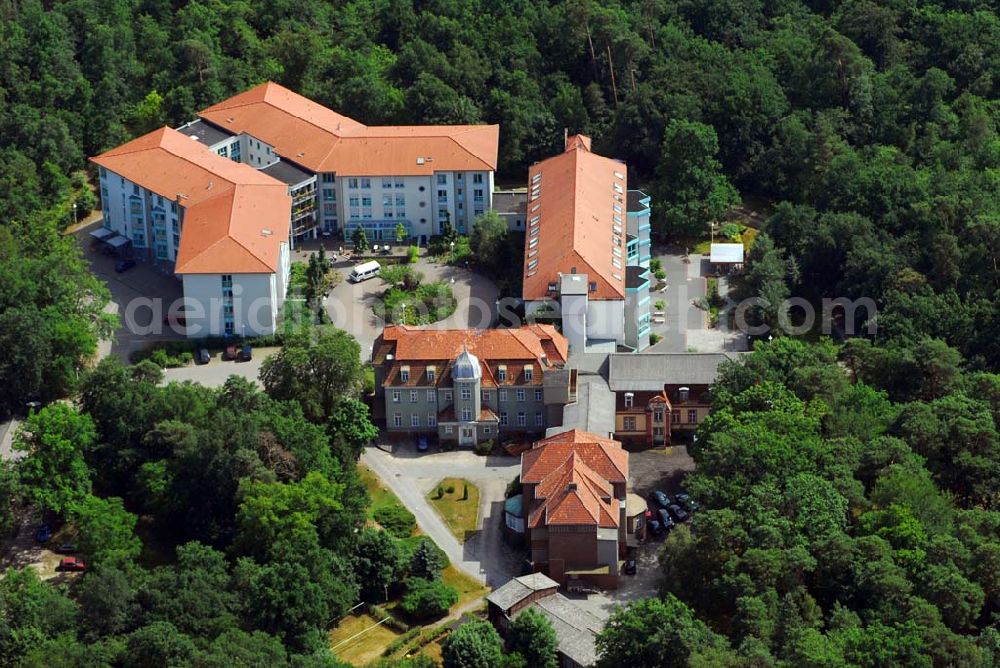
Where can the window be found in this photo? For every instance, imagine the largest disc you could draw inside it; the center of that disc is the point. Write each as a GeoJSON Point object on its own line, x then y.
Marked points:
{"type": "Point", "coordinates": [529, 373]}
{"type": "Point", "coordinates": [466, 394]}
{"type": "Point", "coordinates": [442, 195]}
{"type": "Point", "coordinates": [352, 183]}
{"type": "Point", "coordinates": [503, 395]}
{"type": "Point", "coordinates": [628, 423]}
{"type": "Point", "coordinates": [366, 183]}
{"type": "Point", "coordinates": [593, 286]}
{"type": "Point", "coordinates": [485, 395]}
{"type": "Point", "coordinates": [538, 395]}
{"type": "Point", "coordinates": [477, 195]}
{"type": "Point", "coordinates": [413, 396]}
{"type": "Point", "coordinates": [328, 178]}
{"type": "Point", "coordinates": [502, 373]}
{"type": "Point", "coordinates": [520, 395]}
{"type": "Point", "coordinates": [486, 430]}
{"type": "Point", "coordinates": [448, 429]}
{"type": "Point", "coordinates": [442, 179]}
{"type": "Point", "coordinates": [683, 394]}
{"type": "Point", "coordinates": [447, 397]}
{"type": "Point", "coordinates": [400, 200]}
{"type": "Point", "coordinates": [538, 420]}
{"type": "Point", "coordinates": [395, 396]}
{"type": "Point", "coordinates": [478, 178]}
{"type": "Point", "coordinates": [478, 212]}
{"type": "Point", "coordinates": [659, 432]}
{"type": "Point", "coordinates": [430, 396]}
{"type": "Point", "coordinates": [399, 183]}
{"type": "Point", "coordinates": [430, 373]}
{"type": "Point", "coordinates": [404, 374]}
{"type": "Point", "coordinates": [354, 201]}
{"type": "Point", "coordinates": [658, 415]}
{"type": "Point", "coordinates": [432, 420]}
{"type": "Point", "coordinates": [397, 420]}
{"type": "Point", "coordinates": [414, 420]}
{"type": "Point", "coordinates": [629, 399]}
{"type": "Point", "coordinates": [520, 419]}
{"type": "Point", "coordinates": [503, 419]}
{"type": "Point", "coordinates": [386, 200]}
{"type": "Point", "coordinates": [386, 182]}
{"type": "Point", "coordinates": [366, 200]}
{"type": "Point", "coordinates": [466, 415]}
{"type": "Point", "coordinates": [692, 416]}
{"type": "Point", "coordinates": [675, 417]}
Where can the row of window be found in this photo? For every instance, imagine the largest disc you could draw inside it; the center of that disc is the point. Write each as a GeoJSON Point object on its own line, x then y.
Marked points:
{"type": "Point", "coordinates": [466, 394]}
{"type": "Point", "coordinates": [522, 419]}
{"type": "Point", "coordinates": [629, 421]}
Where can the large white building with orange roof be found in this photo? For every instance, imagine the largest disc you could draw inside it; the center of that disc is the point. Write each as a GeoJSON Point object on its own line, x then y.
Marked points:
{"type": "Point", "coordinates": [221, 226]}
{"type": "Point", "coordinates": [343, 174]}
{"type": "Point", "coordinates": [586, 253]}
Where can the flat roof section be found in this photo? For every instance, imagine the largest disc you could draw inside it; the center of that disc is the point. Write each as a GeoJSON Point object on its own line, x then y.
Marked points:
{"type": "Point", "coordinates": [287, 172]}
{"type": "Point", "coordinates": [510, 201]}
{"type": "Point", "coordinates": [635, 276]}
{"type": "Point", "coordinates": [726, 254]}
{"type": "Point", "coordinates": [633, 201]}
{"type": "Point", "coordinates": [206, 133]}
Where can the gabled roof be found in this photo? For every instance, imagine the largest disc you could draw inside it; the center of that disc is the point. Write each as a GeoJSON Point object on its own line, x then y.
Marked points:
{"type": "Point", "coordinates": [235, 217]}
{"type": "Point", "coordinates": [576, 195]}
{"type": "Point", "coordinates": [324, 141]}
{"type": "Point", "coordinates": [531, 342]}
{"type": "Point", "coordinates": [651, 371]}
{"type": "Point", "coordinates": [573, 473]}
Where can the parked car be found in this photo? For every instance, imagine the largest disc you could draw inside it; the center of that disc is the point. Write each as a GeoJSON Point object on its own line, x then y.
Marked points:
{"type": "Point", "coordinates": [665, 519]}
{"type": "Point", "coordinates": [246, 354]}
{"type": "Point", "coordinates": [630, 567]}
{"type": "Point", "coordinates": [422, 444]}
{"type": "Point", "coordinates": [662, 499]}
{"type": "Point", "coordinates": [124, 265]}
{"type": "Point", "coordinates": [71, 564]}
{"type": "Point", "coordinates": [203, 356]}
{"type": "Point", "coordinates": [43, 534]}
{"type": "Point", "coordinates": [685, 501]}
{"type": "Point", "coordinates": [67, 548]}
{"type": "Point", "coordinates": [655, 527]}
{"type": "Point", "coordinates": [679, 513]}
{"type": "Point", "coordinates": [229, 353]}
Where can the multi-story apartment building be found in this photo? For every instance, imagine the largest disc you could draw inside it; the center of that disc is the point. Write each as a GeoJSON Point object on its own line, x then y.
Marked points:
{"type": "Point", "coordinates": [222, 227]}
{"type": "Point", "coordinates": [344, 174]}
{"type": "Point", "coordinates": [579, 517]}
{"type": "Point", "coordinates": [586, 252]}
{"type": "Point", "coordinates": [659, 395]}
{"type": "Point", "coordinates": [467, 385]}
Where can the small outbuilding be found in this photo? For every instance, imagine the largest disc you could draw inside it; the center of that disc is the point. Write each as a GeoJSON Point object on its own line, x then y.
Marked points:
{"type": "Point", "coordinates": [726, 257]}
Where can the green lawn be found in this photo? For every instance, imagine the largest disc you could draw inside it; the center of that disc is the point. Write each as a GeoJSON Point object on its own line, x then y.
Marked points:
{"type": "Point", "coordinates": [358, 641]}
{"type": "Point", "coordinates": [382, 497]}
{"type": "Point", "coordinates": [460, 511]}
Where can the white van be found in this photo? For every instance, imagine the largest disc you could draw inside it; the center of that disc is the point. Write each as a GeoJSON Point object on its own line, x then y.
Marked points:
{"type": "Point", "coordinates": [364, 271]}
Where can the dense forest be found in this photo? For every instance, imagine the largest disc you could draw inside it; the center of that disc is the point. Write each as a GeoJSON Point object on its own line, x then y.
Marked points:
{"type": "Point", "coordinates": [849, 490]}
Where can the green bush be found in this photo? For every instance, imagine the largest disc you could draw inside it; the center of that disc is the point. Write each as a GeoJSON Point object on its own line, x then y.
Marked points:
{"type": "Point", "coordinates": [396, 519]}
{"type": "Point", "coordinates": [409, 546]}
{"type": "Point", "coordinates": [655, 265]}
{"type": "Point", "coordinates": [660, 274]}
{"type": "Point", "coordinates": [483, 448]}
{"type": "Point", "coordinates": [450, 489]}
{"type": "Point", "coordinates": [412, 254]}
{"type": "Point", "coordinates": [654, 338]}
{"type": "Point", "coordinates": [425, 599]}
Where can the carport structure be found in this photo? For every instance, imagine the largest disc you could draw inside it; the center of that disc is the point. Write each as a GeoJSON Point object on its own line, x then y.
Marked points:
{"type": "Point", "coordinates": [112, 241]}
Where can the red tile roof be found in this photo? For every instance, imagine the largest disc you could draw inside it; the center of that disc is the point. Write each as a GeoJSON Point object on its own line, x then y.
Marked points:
{"type": "Point", "coordinates": [576, 199]}
{"type": "Point", "coordinates": [569, 491]}
{"type": "Point", "coordinates": [235, 217]}
{"type": "Point", "coordinates": [604, 455]}
{"type": "Point", "coordinates": [322, 140]}
{"type": "Point", "coordinates": [531, 342]}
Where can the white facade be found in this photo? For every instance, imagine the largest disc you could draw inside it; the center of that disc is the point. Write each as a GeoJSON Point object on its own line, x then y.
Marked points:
{"type": "Point", "coordinates": [150, 221]}
{"type": "Point", "coordinates": [231, 304]}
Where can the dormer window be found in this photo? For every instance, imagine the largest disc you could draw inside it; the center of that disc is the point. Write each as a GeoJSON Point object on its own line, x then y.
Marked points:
{"type": "Point", "coordinates": [502, 373]}
{"type": "Point", "coordinates": [431, 371]}
{"type": "Point", "coordinates": [683, 393]}
{"type": "Point", "coordinates": [404, 374]}
{"type": "Point", "coordinates": [529, 373]}
{"type": "Point", "coordinates": [629, 399]}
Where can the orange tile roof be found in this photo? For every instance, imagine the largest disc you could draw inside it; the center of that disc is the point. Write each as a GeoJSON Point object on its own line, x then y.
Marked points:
{"type": "Point", "coordinates": [235, 217]}
{"type": "Point", "coordinates": [322, 140]}
{"type": "Point", "coordinates": [573, 493]}
{"type": "Point", "coordinates": [604, 455]}
{"type": "Point", "coordinates": [576, 199]}
{"type": "Point", "coordinates": [530, 342]}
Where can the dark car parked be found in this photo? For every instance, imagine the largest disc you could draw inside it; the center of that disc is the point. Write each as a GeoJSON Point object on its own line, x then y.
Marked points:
{"type": "Point", "coordinates": [71, 564]}
{"type": "Point", "coordinates": [665, 519]}
{"type": "Point", "coordinates": [203, 356]}
{"type": "Point", "coordinates": [662, 499]}
{"type": "Point", "coordinates": [655, 527]}
{"type": "Point", "coordinates": [229, 353]}
{"type": "Point", "coordinates": [630, 567]}
{"type": "Point", "coordinates": [246, 354]}
{"type": "Point", "coordinates": [685, 501]}
{"type": "Point", "coordinates": [43, 533]}
{"type": "Point", "coordinates": [124, 265]}
{"type": "Point", "coordinates": [679, 513]}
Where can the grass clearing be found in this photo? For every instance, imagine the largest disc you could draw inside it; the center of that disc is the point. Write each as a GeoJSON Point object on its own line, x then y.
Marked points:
{"type": "Point", "coordinates": [383, 500]}
{"type": "Point", "coordinates": [355, 641]}
{"type": "Point", "coordinates": [456, 500]}
{"type": "Point", "coordinates": [469, 589]}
